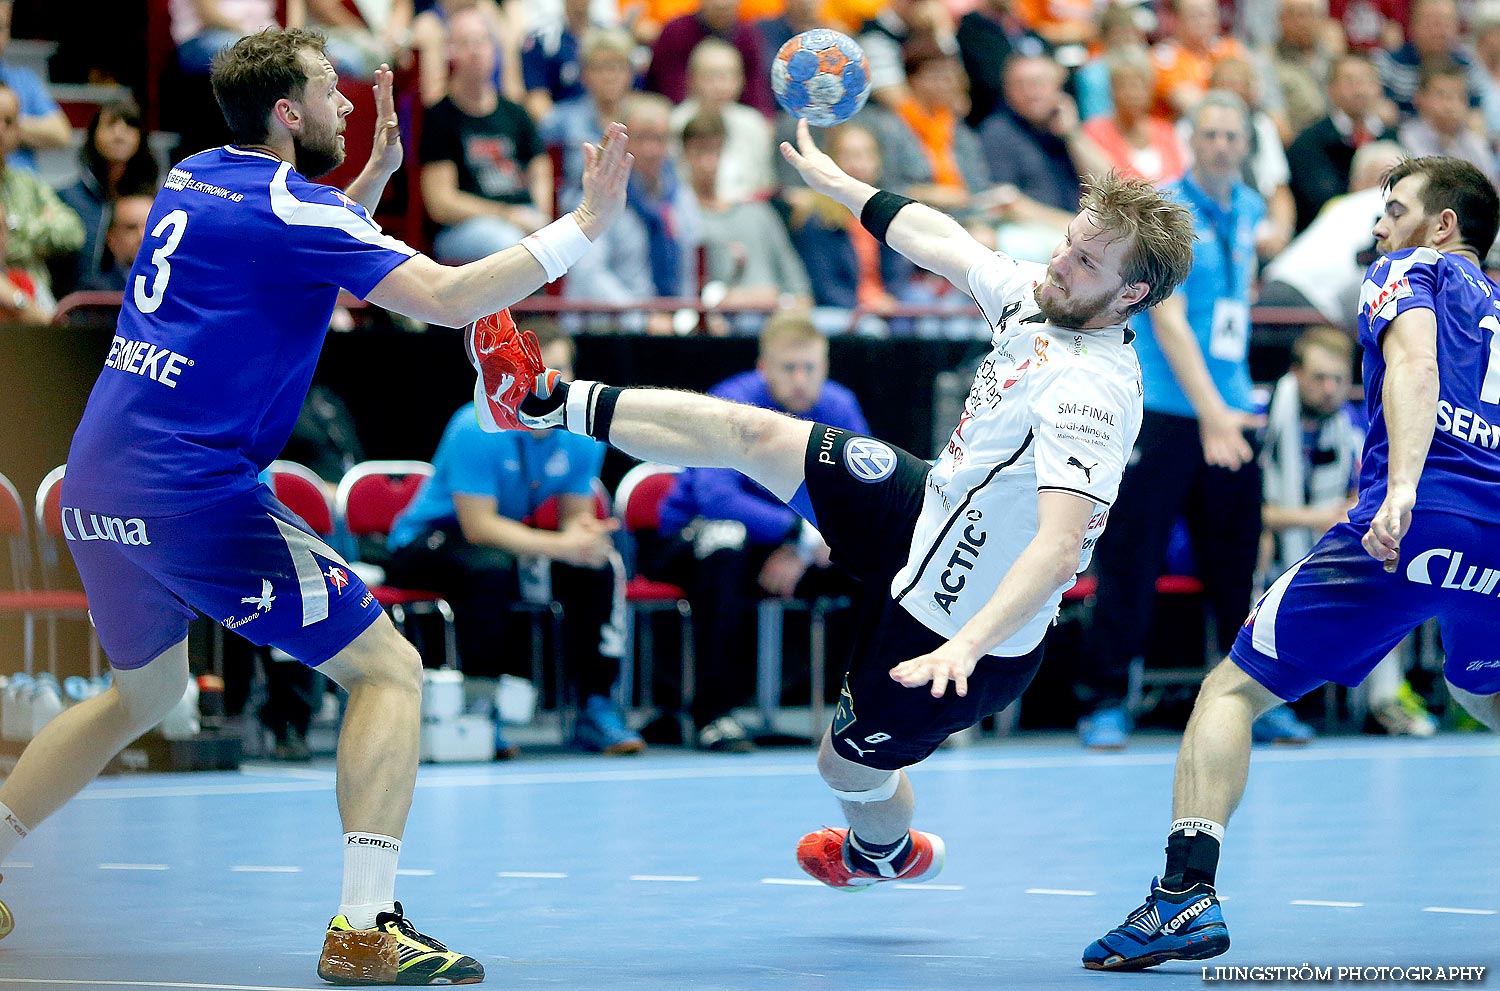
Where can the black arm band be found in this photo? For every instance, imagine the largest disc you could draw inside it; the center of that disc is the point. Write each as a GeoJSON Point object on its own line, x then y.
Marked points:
{"type": "Point", "coordinates": [880, 210]}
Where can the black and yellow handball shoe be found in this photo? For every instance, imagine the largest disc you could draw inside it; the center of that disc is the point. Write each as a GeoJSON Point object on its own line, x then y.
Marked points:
{"type": "Point", "coordinates": [391, 953]}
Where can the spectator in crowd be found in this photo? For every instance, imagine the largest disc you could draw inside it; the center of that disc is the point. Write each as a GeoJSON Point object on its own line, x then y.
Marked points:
{"type": "Point", "coordinates": [1371, 24]}
{"type": "Point", "coordinates": [608, 78]}
{"type": "Point", "coordinates": [114, 161]}
{"type": "Point", "coordinates": [796, 16]}
{"type": "Point", "coordinates": [1434, 40]}
{"type": "Point", "coordinates": [362, 36]}
{"type": "Point", "coordinates": [1487, 66]}
{"type": "Point", "coordinates": [1186, 57]}
{"type": "Point", "coordinates": [847, 266]}
{"type": "Point", "coordinates": [748, 254]}
{"type": "Point", "coordinates": [1320, 158]}
{"type": "Point", "coordinates": [716, 78]}
{"type": "Point", "coordinates": [1441, 126]}
{"type": "Point", "coordinates": [668, 74]}
{"type": "Point", "coordinates": [729, 542]}
{"type": "Point", "coordinates": [203, 28]}
{"type": "Point", "coordinates": [19, 302]}
{"type": "Point", "coordinates": [122, 242]}
{"type": "Point", "coordinates": [1034, 141]}
{"type": "Point", "coordinates": [1324, 265]}
{"type": "Point", "coordinates": [652, 250]}
{"type": "Point", "coordinates": [430, 42]}
{"type": "Point", "coordinates": [551, 61]}
{"type": "Point", "coordinates": [933, 112]}
{"type": "Point", "coordinates": [467, 532]}
{"type": "Point", "coordinates": [1122, 27]}
{"type": "Point", "coordinates": [43, 124]}
{"type": "Point", "coordinates": [1195, 453]}
{"type": "Point", "coordinates": [1136, 142]}
{"type": "Point", "coordinates": [1266, 169]}
{"type": "Point", "coordinates": [987, 37]}
{"type": "Point", "coordinates": [885, 35]}
{"type": "Point", "coordinates": [42, 228]}
{"type": "Point", "coordinates": [1302, 59]}
{"type": "Point", "coordinates": [486, 177]}
{"type": "Point", "coordinates": [1061, 22]}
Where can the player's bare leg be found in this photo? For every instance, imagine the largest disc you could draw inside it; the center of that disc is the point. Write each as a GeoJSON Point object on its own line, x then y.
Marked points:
{"type": "Point", "coordinates": [879, 844]}
{"type": "Point", "coordinates": [1213, 762]}
{"type": "Point", "coordinates": [370, 941]}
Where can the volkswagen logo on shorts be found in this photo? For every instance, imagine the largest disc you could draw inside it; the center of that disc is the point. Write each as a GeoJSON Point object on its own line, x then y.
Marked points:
{"type": "Point", "coordinates": [869, 460]}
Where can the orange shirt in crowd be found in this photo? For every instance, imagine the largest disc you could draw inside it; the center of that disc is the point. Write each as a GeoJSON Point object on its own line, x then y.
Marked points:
{"type": "Point", "coordinates": [662, 11]}
{"type": "Point", "coordinates": [1177, 66]}
{"type": "Point", "coordinates": [871, 289]}
{"type": "Point", "coordinates": [1162, 160]}
{"type": "Point", "coordinates": [1049, 17]}
{"type": "Point", "coordinates": [934, 129]}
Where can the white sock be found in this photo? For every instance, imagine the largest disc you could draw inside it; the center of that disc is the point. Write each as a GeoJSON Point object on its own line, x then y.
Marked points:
{"type": "Point", "coordinates": [1198, 826]}
{"type": "Point", "coordinates": [369, 877]}
{"type": "Point", "coordinates": [12, 831]}
{"type": "Point", "coordinates": [581, 395]}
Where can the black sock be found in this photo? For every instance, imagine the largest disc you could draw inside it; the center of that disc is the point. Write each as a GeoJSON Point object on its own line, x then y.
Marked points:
{"type": "Point", "coordinates": [603, 412]}
{"type": "Point", "coordinates": [1192, 856]}
{"type": "Point", "coordinates": [879, 858]}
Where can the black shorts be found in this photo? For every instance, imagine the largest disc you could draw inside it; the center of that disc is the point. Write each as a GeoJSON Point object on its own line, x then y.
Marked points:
{"type": "Point", "coordinates": [864, 496]}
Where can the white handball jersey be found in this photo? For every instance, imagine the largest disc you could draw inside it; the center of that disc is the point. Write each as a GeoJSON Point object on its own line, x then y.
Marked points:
{"type": "Point", "coordinates": [1050, 408]}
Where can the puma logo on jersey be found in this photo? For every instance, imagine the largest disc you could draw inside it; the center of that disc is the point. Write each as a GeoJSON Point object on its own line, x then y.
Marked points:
{"type": "Point", "coordinates": [1088, 470]}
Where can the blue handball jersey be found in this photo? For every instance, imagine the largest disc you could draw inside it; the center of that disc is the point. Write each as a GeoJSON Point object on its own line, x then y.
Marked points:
{"type": "Point", "coordinates": [225, 311]}
{"type": "Point", "coordinates": [1462, 474]}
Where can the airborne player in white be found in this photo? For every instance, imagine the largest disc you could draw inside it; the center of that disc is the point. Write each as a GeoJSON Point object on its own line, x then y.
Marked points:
{"type": "Point", "coordinates": [964, 562]}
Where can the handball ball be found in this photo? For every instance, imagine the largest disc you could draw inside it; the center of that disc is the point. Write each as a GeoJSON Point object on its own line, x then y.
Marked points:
{"type": "Point", "coordinates": [821, 76]}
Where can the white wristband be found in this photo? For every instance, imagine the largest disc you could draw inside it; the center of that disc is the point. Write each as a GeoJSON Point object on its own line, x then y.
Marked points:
{"type": "Point", "coordinates": [557, 246]}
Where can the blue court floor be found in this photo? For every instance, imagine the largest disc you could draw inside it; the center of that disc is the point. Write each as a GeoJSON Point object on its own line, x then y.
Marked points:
{"type": "Point", "coordinates": [675, 871]}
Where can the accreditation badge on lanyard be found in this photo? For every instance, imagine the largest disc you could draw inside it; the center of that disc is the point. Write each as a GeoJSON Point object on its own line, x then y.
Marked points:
{"type": "Point", "coordinates": [1229, 338]}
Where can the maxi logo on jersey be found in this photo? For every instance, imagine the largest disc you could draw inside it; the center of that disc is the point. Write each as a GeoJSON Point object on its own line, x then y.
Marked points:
{"type": "Point", "coordinates": [963, 558]}
{"type": "Point", "coordinates": [161, 365]}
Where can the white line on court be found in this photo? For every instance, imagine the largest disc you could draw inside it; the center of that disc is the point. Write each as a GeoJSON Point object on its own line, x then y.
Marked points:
{"type": "Point", "coordinates": [134, 867]}
{"type": "Point", "coordinates": [252, 869]}
{"type": "Point", "coordinates": [1461, 911]}
{"type": "Point", "coordinates": [684, 878]}
{"type": "Point", "coordinates": [1073, 892]}
{"type": "Point", "coordinates": [919, 886]}
{"type": "Point", "coordinates": [542, 874]}
{"type": "Point", "coordinates": [801, 882]}
{"type": "Point", "coordinates": [413, 872]}
{"type": "Point", "coordinates": [944, 956]}
{"type": "Point", "coordinates": [1322, 904]}
{"type": "Point", "coordinates": [148, 984]}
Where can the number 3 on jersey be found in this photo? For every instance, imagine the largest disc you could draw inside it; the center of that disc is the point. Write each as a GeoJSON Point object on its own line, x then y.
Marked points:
{"type": "Point", "coordinates": [172, 227]}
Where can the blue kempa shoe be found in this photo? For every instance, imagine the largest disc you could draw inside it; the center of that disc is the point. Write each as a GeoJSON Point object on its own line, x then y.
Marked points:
{"type": "Point", "coordinates": [1172, 925]}
{"type": "Point", "coordinates": [601, 730]}
{"type": "Point", "coordinates": [1106, 729]}
{"type": "Point", "coordinates": [1281, 725]}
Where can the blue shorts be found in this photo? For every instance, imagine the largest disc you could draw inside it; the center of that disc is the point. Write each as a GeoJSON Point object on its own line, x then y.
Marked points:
{"type": "Point", "coordinates": [246, 562]}
{"type": "Point", "coordinates": [1336, 613]}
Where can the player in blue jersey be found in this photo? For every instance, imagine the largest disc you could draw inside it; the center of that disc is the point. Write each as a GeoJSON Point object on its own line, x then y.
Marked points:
{"type": "Point", "coordinates": [1429, 322]}
{"type": "Point", "coordinates": [225, 312]}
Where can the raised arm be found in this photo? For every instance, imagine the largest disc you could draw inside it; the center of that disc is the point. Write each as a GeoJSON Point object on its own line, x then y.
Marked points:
{"type": "Point", "coordinates": [1409, 400]}
{"type": "Point", "coordinates": [454, 296]}
{"type": "Point", "coordinates": [933, 240]}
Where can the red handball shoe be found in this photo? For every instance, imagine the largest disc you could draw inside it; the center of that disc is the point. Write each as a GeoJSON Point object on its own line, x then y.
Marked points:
{"type": "Point", "coordinates": [508, 362]}
{"type": "Point", "coordinates": [823, 855]}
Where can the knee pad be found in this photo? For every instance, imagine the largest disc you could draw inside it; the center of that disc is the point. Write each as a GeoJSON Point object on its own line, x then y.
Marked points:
{"type": "Point", "coordinates": [880, 793]}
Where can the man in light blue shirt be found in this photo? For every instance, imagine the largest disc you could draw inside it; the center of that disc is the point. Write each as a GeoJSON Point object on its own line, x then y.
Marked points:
{"type": "Point", "coordinates": [1195, 456]}
{"type": "Point", "coordinates": [43, 124]}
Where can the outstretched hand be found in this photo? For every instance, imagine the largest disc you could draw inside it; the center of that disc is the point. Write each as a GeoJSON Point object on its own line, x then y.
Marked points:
{"type": "Point", "coordinates": [820, 172]}
{"type": "Point", "coordinates": [950, 662]}
{"type": "Point", "coordinates": [606, 173]}
{"type": "Point", "coordinates": [385, 153]}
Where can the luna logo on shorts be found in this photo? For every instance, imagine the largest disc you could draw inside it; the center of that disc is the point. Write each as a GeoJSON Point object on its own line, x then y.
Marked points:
{"type": "Point", "coordinates": [77, 525]}
{"type": "Point", "coordinates": [1476, 579]}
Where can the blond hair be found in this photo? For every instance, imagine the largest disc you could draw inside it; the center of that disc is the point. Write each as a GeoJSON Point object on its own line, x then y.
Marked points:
{"type": "Point", "coordinates": [1160, 233]}
{"type": "Point", "coordinates": [792, 327]}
